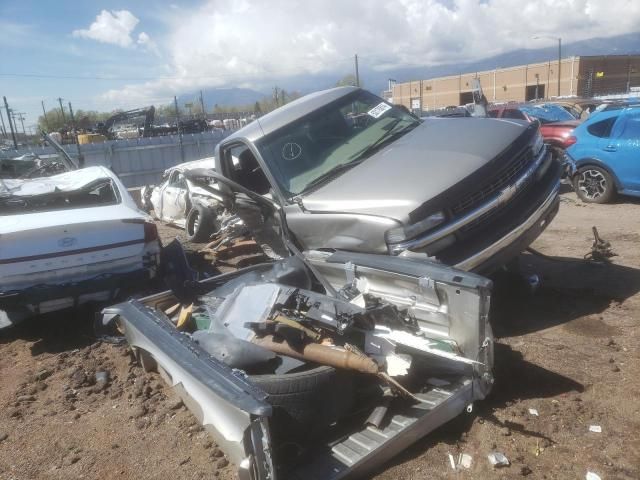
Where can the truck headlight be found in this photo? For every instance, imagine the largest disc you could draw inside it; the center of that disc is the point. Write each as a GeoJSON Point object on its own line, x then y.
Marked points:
{"type": "Point", "coordinates": [400, 234]}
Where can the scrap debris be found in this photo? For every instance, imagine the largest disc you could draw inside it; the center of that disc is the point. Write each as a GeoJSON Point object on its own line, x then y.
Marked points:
{"type": "Point", "coordinates": [463, 460]}
{"type": "Point", "coordinates": [595, 428]}
{"type": "Point", "coordinates": [601, 250]}
{"type": "Point", "coordinates": [498, 459]}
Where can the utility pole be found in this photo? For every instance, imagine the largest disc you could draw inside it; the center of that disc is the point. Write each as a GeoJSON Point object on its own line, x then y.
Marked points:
{"type": "Point", "coordinates": [21, 117]}
{"type": "Point", "coordinates": [204, 112]}
{"type": "Point", "coordinates": [13, 135]}
{"type": "Point", "coordinates": [175, 102]}
{"type": "Point", "coordinates": [538, 37]}
{"type": "Point", "coordinates": [44, 112]}
{"type": "Point", "coordinates": [73, 125]}
{"type": "Point", "coordinates": [64, 121]}
{"type": "Point", "coordinates": [4, 129]}
{"type": "Point", "coordinates": [559, 62]}
{"type": "Point", "coordinates": [357, 73]}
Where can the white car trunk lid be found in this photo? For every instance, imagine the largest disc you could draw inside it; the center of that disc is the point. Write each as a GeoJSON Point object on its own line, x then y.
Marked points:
{"type": "Point", "coordinates": [47, 243]}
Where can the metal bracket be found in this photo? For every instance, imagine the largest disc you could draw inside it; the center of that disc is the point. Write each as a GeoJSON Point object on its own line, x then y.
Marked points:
{"type": "Point", "coordinates": [350, 271]}
{"type": "Point", "coordinates": [427, 288]}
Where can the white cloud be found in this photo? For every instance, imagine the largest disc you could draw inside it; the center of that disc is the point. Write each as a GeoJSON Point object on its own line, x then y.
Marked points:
{"type": "Point", "coordinates": [114, 27]}
{"type": "Point", "coordinates": [255, 42]}
{"type": "Point", "coordinates": [144, 41]}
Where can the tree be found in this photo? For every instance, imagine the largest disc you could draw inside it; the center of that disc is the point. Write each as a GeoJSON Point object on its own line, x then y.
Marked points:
{"type": "Point", "coordinates": [347, 80]}
{"type": "Point", "coordinates": [256, 107]}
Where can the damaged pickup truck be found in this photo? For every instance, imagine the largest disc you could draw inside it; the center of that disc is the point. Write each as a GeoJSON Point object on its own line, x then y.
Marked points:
{"type": "Point", "coordinates": [352, 172]}
{"type": "Point", "coordinates": [320, 365]}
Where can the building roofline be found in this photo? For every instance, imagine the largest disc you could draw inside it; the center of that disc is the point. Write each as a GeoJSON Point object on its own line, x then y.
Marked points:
{"type": "Point", "coordinates": [516, 67]}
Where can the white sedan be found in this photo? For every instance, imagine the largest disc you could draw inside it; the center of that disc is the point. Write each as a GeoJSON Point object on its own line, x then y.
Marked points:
{"type": "Point", "coordinates": [178, 201]}
{"type": "Point", "coordinates": [70, 239]}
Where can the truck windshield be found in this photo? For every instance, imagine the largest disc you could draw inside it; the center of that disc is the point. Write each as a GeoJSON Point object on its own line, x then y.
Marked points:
{"type": "Point", "coordinates": [324, 144]}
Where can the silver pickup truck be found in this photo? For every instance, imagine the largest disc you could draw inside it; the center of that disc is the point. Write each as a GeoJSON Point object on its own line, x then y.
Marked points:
{"type": "Point", "coordinates": [352, 172]}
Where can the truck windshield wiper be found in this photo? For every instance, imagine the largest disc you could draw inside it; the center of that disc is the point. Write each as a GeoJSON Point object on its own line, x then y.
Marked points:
{"type": "Point", "coordinates": [331, 173]}
{"type": "Point", "coordinates": [389, 135]}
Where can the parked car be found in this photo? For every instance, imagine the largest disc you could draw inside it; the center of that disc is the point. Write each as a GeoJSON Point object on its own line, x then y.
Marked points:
{"type": "Point", "coordinates": [177, 201]}
{"type": "Point", "coordinates": [470, 192]}
{"type": "Point", "coordinates": [31, 165]}
{"type": "Point", "coordinates": [605, 151]}
{"type": "Point", "coordinates": [556, 123]}
{"type": "Point", "coordinates": [69, 239]}
{"type": "Point", "coordinates": [320, 365]}
{"type": "Point", "coordinates": [579, 108]}
{"type": "Point", "coordinates": [617, 104]}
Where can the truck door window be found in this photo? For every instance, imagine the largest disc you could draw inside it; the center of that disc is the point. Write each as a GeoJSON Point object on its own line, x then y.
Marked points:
{"type": "Point", "coordinates": [243, 168]}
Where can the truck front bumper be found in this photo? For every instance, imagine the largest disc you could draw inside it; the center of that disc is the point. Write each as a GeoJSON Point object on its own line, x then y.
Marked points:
{"type": "Point", "coordinates": [517, 240]}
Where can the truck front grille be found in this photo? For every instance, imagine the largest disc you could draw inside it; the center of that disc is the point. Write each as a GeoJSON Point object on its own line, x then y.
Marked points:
{"type": "Point", "coordinates": [506, 176]}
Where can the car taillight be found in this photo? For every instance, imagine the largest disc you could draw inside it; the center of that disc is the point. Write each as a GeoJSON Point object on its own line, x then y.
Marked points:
{"type": "Point", "coordinates": [570, 141]}
{"type": "Point", "coordinates": [150, 229]}
{"type": "Point", "coordinates": [150, 232]}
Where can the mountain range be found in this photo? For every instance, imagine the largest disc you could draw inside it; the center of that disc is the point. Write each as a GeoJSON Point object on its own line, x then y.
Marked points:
{"type": "Point", "coordinates": [376, 80]}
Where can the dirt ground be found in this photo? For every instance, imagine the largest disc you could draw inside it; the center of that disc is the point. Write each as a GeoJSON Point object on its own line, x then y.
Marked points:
{"type": "Point", "coordinates": [570, 351]}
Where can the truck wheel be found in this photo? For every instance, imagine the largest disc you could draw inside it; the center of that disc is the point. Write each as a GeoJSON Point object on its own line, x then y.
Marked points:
{"type": "Point", "coordinates": [199, 224]}
{"type": "Point", "coordinates": [594, 185]}
{"type": "Point", "coordinates": [305, 403]}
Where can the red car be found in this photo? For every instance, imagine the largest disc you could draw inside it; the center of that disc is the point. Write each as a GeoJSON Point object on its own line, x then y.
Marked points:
{"type": "Point", "coordinates": [556, 124]}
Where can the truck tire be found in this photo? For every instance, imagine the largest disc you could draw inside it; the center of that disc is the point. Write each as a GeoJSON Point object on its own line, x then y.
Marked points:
{"type": "Point", "coordinates": [306, 403]}
{"type": "Point", "coordinates": [200, 224]}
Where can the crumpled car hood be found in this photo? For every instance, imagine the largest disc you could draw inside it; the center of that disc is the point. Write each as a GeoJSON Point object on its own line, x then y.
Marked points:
{"type": "Point", "coordinates": [418, 166]}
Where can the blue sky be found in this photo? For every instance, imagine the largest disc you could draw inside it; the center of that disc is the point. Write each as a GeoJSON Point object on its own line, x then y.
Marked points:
{"type": "Point", "coordinates": [38, 40]}
{"type": "Point", "coordinates": [126, 54]}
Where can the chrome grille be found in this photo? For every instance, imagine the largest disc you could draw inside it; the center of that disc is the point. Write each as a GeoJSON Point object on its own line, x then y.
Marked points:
{"type": "Point", "coordinates": [505, 176]}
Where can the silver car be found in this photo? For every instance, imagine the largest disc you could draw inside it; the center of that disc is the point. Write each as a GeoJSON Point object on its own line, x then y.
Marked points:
{"type": "Point", "coordinates": [353, 172]}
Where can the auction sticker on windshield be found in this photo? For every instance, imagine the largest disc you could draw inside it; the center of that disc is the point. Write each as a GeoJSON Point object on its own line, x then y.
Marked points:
{"type": "Point", "coordinates": [379, 109]}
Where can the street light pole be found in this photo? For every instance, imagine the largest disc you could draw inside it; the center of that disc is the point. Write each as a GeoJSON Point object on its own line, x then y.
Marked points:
{"type": "Point", "coordinates": [537, 37]}
{"type": "Point", "coordinates": [559, 62]}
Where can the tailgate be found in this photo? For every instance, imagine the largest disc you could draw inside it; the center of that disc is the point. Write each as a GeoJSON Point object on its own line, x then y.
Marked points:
{"type": "Point", "coordinates": [230, 408]}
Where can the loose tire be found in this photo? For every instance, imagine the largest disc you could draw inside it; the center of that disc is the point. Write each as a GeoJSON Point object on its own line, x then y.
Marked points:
{"type": "Point", "coordinates": [594, 185]}
{"type": "Point", "coordinates": [199, 225]}
{"type": "Point", "coordinates": [305, 403]}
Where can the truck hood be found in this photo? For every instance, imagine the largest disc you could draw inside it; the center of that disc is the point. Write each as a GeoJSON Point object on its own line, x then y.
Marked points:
{"type": "Point", "coordinates": [428, 160]}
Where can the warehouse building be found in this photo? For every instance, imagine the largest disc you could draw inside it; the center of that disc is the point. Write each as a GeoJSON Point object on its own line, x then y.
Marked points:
{"type": "Point", "coordinates": [586, 76]}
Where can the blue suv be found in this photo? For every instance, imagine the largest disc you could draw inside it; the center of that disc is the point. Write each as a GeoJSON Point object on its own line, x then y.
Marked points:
{"type": "Point", "coordinates": [606, 152]}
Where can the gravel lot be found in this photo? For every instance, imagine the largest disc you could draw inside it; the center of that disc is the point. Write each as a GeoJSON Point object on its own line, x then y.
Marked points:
{"type": "Point", "coordinates": [570, 351]}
